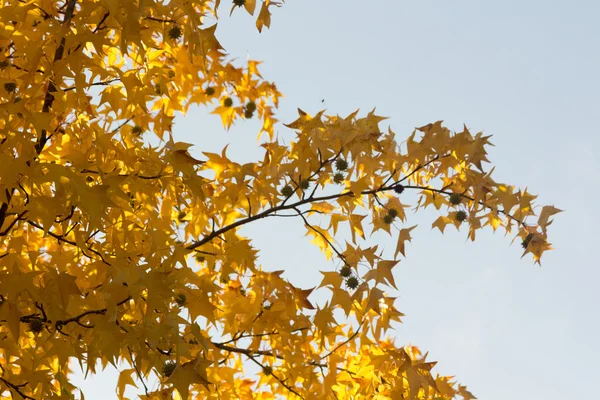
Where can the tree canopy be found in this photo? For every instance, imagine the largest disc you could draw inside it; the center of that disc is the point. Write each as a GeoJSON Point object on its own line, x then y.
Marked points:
{"type": "Point", "coordinates": [116, 245]}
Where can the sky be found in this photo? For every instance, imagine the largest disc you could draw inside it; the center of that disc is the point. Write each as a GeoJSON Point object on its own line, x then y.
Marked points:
{"type": "Point", "coordinates": [526, 72]}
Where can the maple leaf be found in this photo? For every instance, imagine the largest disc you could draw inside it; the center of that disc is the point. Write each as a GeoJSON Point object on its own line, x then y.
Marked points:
{"type": "Point", "coordinates": [403, 237]}
{"type": "Point", "coordinates": [125, 378]}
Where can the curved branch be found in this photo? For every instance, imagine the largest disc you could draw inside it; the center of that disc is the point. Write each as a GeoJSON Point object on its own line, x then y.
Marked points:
{"type": "Point", "coordinates": [61, 238]}
{"type": "Point", "coordinates": [283, 206]}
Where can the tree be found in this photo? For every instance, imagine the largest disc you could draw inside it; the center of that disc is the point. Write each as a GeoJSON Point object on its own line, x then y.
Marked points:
{"type": "Point", "coordinates": [113, 248]}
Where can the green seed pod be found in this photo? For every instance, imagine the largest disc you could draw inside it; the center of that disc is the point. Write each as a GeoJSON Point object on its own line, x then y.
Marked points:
{"type": "Point", "coordinates": [461, 216]}
{"type": "Point", "coordinates": [168, 368]}
{"type": "Point", "coordinates": [209, 91]}
{"type": "Point", "coordinates": [10, 87]}
{"type": "Point", "coordinates": [392, 212]}
{"type": "Point", "coordinates": [287, 191]}
{"type": "Point", "coordinates": [455, 199]}
{"type": "Point", "coordinates": [352, 282]}
{"type": "Point", "coordinates": [388, 219]}
{"type": "Point", "coordinates": [345, 271]}
{"type": "Point", "coordinates": [527, 240]}
{"type": "Point", "coordinates": [304, 184]}
{"type": "Point", "coordinates": [248, 114]}
{"type": "Point", "coordinates": [341, 165]}
{"type": "Point", "coordinates": [175, 32]}
{"type": "Point", "coordinates": [251, 106]}
{"type": "Point", "coordinates": [36, 326]}
{"type": "Point", "coordinates": [227, 102]}
{"type": "Point", "coordinates": [338, 177]}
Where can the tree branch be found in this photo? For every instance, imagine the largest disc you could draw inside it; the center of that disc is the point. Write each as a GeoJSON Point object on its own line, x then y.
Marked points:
{"type": "Point", "coordinates": [61, 238]}
{"type": "Point", "coordinates": [345, 342]}
{"type": "Point", "coordinates": [137, 370]}
{"type": "Point", "coordinates": [58, 55]}
{"type": "Point", "coordinates": [283, 206]}
{"type": "Point", "coordinates": [340, 255]}
{"type": "Point", "coordinates": [16, 388]}
{"type": "Point", "coordinates": [264, 368]}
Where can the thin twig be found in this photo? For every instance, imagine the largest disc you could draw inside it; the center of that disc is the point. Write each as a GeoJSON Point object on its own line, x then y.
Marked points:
{"type": "Point", "coordinates": [288, 387]}
{"type": "Point", "coordinates": [345, 342]}
{"type": "Point", "coordinates": [137, 370]}
{"type": "Point", "coordinates": [339, 254]}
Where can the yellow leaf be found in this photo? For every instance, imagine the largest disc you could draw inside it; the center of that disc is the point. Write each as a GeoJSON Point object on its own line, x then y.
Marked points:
{"type": "Point", "coordinates": [14, 320]}
{"type": "Point", "coordinates": [544, 218]}
{"type": "Point", "coordinates": [264, 17]}
{"type": "Point", "coordinates": [250, 6]}
{"type": "Point", "coordinates": [403, 237]}
{"type": "Point", "coordinates": [124, 380]}
{"type": "Point", "coordinates": [441, 223]}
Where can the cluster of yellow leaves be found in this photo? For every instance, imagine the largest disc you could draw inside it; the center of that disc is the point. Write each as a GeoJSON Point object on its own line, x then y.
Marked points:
{"type": "Point", "coordinates": [112, 249]}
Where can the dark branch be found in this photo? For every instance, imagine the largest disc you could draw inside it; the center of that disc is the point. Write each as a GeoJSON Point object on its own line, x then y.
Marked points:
{"type": "Point", "coordinates": [16, 388]}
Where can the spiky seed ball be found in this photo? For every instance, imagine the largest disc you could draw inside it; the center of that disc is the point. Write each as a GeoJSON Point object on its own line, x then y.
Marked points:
{"type": "Point", "coordinates": [346, 271]}
{"type": "Point", "coordinates": [338, 177]}
{"type": "Point", "coordinates": [248, 114]}
{"type": "Point", "coordinates": [398, 188]}
{"type": "Point", "coordinates": [392, 212]}
{"type": "Point", "coordinates": [157, 89]}
{"type": "Point", "coordinates": [287, 191]}
{"type": "Point", "coordinates": [461, 216]}
{"type": "Point", "coordinates": [267, 370]}
{"type": "Point", "coordinates": [527, 240]}
{"type": "Point", "coordinates": [251, 106]}
{"type": "Point", "coordinates": [199, 257]}
{"type": "Point", "coordinates": [455, 199]}
{"type": "Point", "coordinates": [239, 3]}
{"type": "Point", "coordinates": [181, 215]}
{"type": "Point", "coordinates": [304, 184]}
{"type": "Point", "coordinates": [175, 32]}
{"type": "Point", "coordinates": [36, 326]}
{"type": "Point", "coordinates": [341, 164]}
{"type": "Point", "coordinates": [136, 130]}
{"type": "Point", "coordinates": [352, 282]}
{"type": "Point", "coordinates": [228, 102]}
{"type": "Point", "coordinates": [181, 299]}
{"type": "Point", "coordinates": [388, 219]}
{"type": "Point", "coordinates": [10, 87]}
{"type": "Point", "coordinates": [171, 74]}
{"type": "Point", "coordinates": [209, 91]}
{"type": "Point", "coordinates": [4, 64]}
{"type": "Point", "coordinates": [168, 368]}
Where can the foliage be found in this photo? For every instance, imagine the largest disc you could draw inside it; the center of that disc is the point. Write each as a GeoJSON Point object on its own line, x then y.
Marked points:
{"type": "Point", "coordinates": [113, 249]}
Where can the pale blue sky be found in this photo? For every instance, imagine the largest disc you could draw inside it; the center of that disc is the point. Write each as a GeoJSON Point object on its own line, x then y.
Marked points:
{"type": "Point", "coordinates": [525, 71]}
